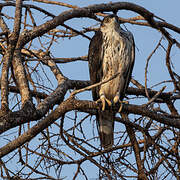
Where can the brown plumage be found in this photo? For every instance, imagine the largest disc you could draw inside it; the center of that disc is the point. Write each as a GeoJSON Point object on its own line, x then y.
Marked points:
{"type": "Point", "coordinates": [111, 50]}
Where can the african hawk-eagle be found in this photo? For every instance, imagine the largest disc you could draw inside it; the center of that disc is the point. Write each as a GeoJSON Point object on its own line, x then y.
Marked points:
{"type": "Point", "coordinates": [111, 51]}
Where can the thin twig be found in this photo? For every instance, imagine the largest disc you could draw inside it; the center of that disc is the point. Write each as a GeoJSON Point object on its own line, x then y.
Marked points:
{"type": "Point", "coordinates": [147, 63]}
{"type": "Point", "coordinates": [94, 85]}
{"type": "Point", "coordinates": [169, 66]}
{"type": "Point", "coordinates": [154, 97]}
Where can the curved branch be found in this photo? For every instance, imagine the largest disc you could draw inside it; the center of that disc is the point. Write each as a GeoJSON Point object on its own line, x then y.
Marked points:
{"type": "Point", "coordinates": [88, 12]}
{"type": "Point", "coordinates": [28, 113]}
{"type": "Point", "coordinates": [74, 104]}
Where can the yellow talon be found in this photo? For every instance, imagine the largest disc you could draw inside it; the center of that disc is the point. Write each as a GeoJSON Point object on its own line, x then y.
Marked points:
{"type": "Point", "coordinates": [103, 100]}
{"type": "Point", "coordinates": [121, 105]}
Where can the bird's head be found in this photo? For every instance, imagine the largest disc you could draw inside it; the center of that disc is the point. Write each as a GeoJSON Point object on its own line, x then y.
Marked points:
{"type": "Point", "coordinates": [110, 21]}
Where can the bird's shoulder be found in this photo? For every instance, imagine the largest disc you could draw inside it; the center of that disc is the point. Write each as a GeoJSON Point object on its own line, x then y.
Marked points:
{"type": "Point", "coordinates": [96, 40]}
{"type": "Point", "coordinates": [95, 47]}
{"type": "Point", "coordinates": [126, 34]}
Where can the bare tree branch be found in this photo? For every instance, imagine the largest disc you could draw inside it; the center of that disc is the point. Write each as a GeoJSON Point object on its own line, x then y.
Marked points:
{"type": "Point", "coordinates": [46, 119]}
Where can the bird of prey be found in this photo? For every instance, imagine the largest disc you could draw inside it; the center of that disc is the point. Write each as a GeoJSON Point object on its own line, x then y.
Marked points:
{"type": "Point", "coordinates": [111, 51]}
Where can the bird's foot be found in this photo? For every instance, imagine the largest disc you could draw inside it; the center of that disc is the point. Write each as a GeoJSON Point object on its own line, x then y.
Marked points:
{"type": "Point", "coordinates": [103, 100]}
{"type": "Point", "coordinates": [121, 105]}
{"type": "Point", "coordinates": [116, 100]}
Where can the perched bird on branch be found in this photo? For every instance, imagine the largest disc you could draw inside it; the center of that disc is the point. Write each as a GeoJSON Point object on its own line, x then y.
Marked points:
{"type": "Point", "coordinates": [111, 51]}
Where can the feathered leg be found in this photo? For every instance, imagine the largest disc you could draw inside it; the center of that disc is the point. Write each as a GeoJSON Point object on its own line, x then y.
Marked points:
{"type": "Point", "coordinates": [117, 99]}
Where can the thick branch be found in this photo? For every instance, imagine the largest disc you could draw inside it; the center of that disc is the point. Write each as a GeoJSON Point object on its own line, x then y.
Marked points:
{"type": "Point", "coordinates": [9, 56]}
{"type": "Point", "coordinates": [17, 22]}
{"type": "Point", "coordinates": [134, 142]}
{"type": "Point", "coordinates": [21, 78]}
{"type": "Point", "coordinates": [73, 104]}
{"type": "Point", "coordinates": [27, 113]}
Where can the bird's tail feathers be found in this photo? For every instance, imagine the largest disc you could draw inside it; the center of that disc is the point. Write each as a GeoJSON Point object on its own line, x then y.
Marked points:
{"type": "Point", "coordinates": [106, 128]}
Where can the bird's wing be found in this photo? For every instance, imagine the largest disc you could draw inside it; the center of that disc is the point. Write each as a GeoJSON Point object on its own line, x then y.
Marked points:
{"type": "Point", "coordinates": [128, 70]}
{"type": "Point", "coordinates": [95, 62]}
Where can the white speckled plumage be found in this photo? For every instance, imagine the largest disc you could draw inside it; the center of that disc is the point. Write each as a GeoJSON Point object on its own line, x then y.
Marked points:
{"type": "Point", "coordinates": [117, 46]}
{"type": "Point", "coordinates": [111, 51]}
